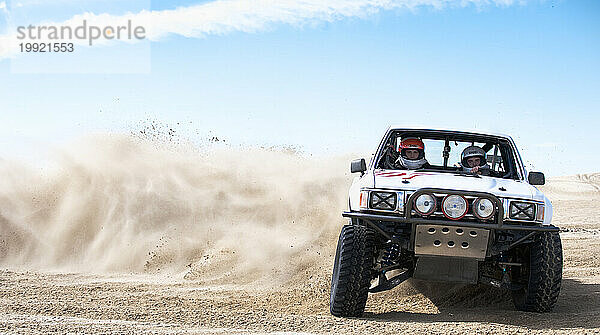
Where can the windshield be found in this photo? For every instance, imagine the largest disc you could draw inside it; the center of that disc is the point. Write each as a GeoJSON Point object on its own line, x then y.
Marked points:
{"type": "Point", "coordinates": [450, 152]}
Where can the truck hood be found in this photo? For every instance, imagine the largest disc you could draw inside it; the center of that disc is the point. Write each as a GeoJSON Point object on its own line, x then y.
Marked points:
{"type": "Point", "coordinates": [406, 180]}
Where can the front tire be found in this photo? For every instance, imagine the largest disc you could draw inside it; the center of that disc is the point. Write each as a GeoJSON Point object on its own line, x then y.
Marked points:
{"type": "Point", "coordinates": [541, 274]}
{"type": "Point", "coordinates": [352, 268]}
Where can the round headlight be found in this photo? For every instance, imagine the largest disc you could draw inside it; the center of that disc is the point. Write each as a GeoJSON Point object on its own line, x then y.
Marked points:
{"type": "Point", "coordinates": [425, 204]}
{"type": "Point", "coordinates": [454, 207]}
{"type": "Point", "coordinates": [483, 208]}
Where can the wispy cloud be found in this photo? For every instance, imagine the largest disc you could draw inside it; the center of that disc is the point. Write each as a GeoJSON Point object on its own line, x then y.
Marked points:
{"type": "Point", "coordinates": [226, 16]}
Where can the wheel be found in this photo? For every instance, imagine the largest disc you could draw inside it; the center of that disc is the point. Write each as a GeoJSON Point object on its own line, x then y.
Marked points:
{"type": "Point", "coordinates": [540, 274]}
{"type": "Point", "coordinates": [354, 260]}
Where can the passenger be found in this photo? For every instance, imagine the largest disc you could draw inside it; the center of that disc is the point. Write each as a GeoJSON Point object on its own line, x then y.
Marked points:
{"type": "Point", "coordinates": [473, 161]}
{"type": "Point", "coordinates": [412, 154]}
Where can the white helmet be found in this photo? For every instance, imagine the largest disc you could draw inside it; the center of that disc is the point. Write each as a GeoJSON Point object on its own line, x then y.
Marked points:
{"type": "Point", "coordinates": [473, 151]}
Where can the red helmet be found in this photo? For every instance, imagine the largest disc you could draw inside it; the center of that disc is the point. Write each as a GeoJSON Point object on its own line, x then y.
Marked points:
{"type": "Point", "coordinates": [411, 143]}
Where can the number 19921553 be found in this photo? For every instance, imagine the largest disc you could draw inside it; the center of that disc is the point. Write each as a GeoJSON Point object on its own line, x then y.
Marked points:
{"type": "Point", "coordinates": [46, 47]}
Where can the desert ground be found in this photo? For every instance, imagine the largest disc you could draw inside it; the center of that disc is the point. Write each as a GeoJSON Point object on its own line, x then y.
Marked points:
{"type": "Point", "coordinates": [92, 275]}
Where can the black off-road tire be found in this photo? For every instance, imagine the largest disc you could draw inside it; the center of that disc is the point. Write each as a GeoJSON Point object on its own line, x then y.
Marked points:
{"type": "Point", "coordinates": [354, 260]}
{"type": "Point", "coordinates": [542, 274]}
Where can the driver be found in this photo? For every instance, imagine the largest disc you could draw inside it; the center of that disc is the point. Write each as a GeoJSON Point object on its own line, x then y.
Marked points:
{"type": "Point", "coordinates": [412, 154]}
{"type": "Point", "coordinates": [473, 161]}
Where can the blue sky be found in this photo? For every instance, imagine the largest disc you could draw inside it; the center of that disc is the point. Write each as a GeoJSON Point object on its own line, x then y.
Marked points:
{"type": "Point", "coordinates": [530, 69]}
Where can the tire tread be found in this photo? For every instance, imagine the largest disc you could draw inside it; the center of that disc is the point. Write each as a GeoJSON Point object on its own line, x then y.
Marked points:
{"type": "Point", "coordinates": [356, 249]}
{"type": "Point", "coordinates": [545, 274]}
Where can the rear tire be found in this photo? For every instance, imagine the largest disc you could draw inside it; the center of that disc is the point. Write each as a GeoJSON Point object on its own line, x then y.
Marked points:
{"type": "Point", "coordinates": [354, 260]}
{"type": "Point", "coordinates": [541, 274]}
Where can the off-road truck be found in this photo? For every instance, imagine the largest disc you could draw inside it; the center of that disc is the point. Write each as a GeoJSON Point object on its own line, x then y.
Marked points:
{"type": "Point", "coordinates": [443, 222]}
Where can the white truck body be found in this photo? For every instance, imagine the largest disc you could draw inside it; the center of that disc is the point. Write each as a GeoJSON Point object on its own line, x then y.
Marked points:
{"type": "Point", "coordinates": [450, 206]}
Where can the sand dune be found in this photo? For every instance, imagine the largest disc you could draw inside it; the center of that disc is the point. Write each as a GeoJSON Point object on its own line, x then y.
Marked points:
{"type": "Point", "coordinates": [117, 234]}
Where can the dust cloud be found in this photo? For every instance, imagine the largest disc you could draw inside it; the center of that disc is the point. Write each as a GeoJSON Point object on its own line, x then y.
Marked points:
{"type": "Point", "coordinates": [117, 203]}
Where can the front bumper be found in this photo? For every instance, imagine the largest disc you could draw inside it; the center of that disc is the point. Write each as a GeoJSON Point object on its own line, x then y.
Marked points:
{"type": "Point", "coordinates": [410, 242]}
{"type": "Point", "coordinates": [415, 221]}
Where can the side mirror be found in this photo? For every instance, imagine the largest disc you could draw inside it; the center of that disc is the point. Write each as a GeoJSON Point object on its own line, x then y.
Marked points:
{"type": "Point", "coordinates": [358, 165]}
{"type": "Point", "coordinates": [536, 178]}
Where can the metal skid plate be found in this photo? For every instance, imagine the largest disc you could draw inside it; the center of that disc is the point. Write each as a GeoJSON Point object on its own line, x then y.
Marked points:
{"type": "Point", "coordinates": [451, 241]}
{"type": "Point", "coordinates": [447, 269]}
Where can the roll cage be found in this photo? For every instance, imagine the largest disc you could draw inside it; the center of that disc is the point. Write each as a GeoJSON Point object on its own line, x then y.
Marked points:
{"type": "Point", "coordinates": [504, 145]}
